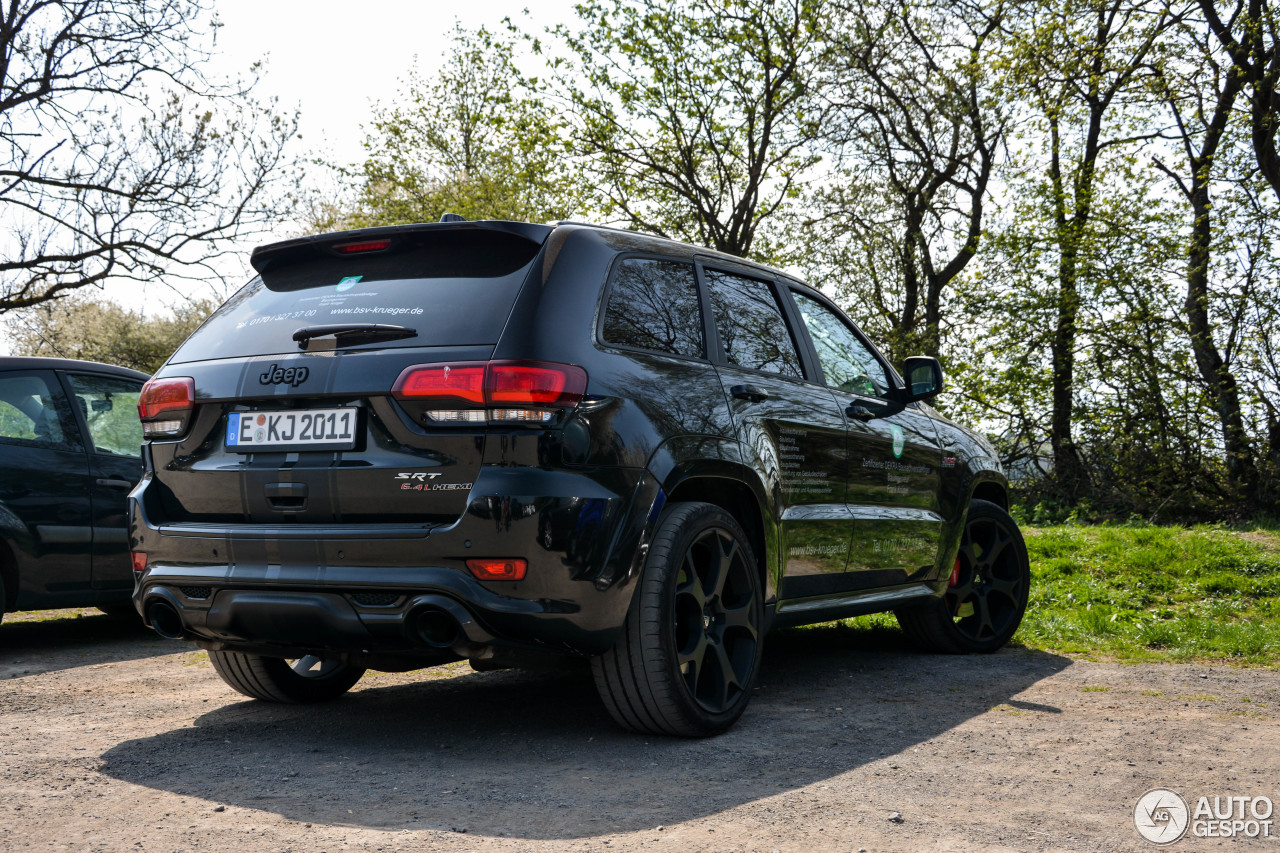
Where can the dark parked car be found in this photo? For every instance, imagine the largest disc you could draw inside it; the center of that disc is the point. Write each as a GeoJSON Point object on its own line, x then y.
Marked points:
{"type": "Point", "coordinates": [494, 440]}
{"type": "Point", "coordinates": [70, 451]}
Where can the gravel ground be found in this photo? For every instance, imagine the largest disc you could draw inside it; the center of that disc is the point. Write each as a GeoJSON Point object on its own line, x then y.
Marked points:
{"type": "Point", "coordinates": [112, 739]}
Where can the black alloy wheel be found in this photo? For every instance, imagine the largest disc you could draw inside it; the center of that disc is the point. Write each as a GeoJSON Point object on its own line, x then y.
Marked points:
{"type": "Point", "coordinates": [717, 634]}
{"type": "Point", "coordinates": [690, 649]}
{"type": "Point", "coordinates": [986, 596]}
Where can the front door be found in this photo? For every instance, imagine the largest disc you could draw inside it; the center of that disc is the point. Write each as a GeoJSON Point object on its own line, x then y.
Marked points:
{"type": "Point", "coordinates": [894, 458]}
{"type": "Point", "coordinates": [792, 429]}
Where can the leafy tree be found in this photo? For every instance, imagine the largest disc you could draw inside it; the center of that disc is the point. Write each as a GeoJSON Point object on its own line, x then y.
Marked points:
{"type": "Point", "coordinates": [474, 139]}
{"type": "Point", "coordinates": [1201, 97]}
{"type": "Point", "coordinates": [121, 157]}
{"type": "Point", "coordinates": [99, 330]}
{"type": "Point", "coordinates": [696, 120]}
{"type": "Point", "coordinates": [916, 133]}
{"type": "Point", "coordinates": [1082, 69]}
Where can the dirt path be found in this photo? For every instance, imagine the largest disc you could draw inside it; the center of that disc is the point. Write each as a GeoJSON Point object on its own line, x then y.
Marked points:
{"type": "Point", "coordinates": [111, 739]}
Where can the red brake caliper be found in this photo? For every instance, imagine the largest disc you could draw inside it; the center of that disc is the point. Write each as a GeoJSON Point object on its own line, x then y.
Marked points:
{"type": "Point", "coordinates": [955, 573]}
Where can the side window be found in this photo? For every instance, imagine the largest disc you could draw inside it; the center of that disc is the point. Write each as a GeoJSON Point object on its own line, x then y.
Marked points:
{"type": "Point", "coordinates": [34, 412]}
{"type": "Point", "coordinates": [848, 364]}
{"type": "Point", "coordinates": [653, 305]}
{"type": "Point", "coordinates": [110, 406]}
{"type": "Point", "coordinates": [752, 330]}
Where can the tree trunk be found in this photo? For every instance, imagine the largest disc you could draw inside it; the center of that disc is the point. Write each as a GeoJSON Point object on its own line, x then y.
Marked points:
{"type": "Point", "coordinates": [1218, 379]}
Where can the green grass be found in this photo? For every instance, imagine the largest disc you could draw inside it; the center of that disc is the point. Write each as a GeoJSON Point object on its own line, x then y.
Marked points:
{"type": "Point", "coordinates": [1155, 593]}
{"type": "Point", "coordinates": [1144, 593]}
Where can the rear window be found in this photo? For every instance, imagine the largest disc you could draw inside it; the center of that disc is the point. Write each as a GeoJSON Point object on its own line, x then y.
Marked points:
{"type": "Point", "coordinates": [454, 288]}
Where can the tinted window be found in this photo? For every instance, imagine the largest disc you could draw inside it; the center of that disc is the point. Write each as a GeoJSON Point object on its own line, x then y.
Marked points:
{"type": "Point", "coordinates": [653, 305]}
{"type": "Point", "coordinates": [847, 362]}
{"type": "Point", "coordinates": [110, 407]}
{"type": "Point", "coordinates": [33, 411]}
{"type": "Point", "coordinates": [753, 333]}
{"type": "Point", "coordinates": [454, 288]}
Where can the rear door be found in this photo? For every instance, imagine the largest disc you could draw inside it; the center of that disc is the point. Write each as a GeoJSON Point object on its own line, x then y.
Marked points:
{"type": "Point", "coordinates": [792, 429]}
{"type": "Point", "coordinates": [254, 454]}
{"type": "Point", "coordinates": [45, 504]}
{"type": "Point", "coordinates": [108, 410]}
{"type": "Point", "coordinates": [894, 457]}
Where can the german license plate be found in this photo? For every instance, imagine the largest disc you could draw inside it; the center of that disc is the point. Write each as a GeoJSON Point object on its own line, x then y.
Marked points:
{"type": "Point", "coordinates": [302, 429]}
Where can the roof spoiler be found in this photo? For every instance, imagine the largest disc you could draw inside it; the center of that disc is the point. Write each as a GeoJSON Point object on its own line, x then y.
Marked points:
{"type": "Point", "coordinates": [341, 243]}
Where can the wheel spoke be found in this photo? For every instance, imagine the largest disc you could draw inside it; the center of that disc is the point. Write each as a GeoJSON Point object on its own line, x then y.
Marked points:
{"type": "Point", "coordinates": [692, 585]}
{"type": "Point", "coordinates": [984, 616]}
{"type": "Point", "coordinates": [728, 678]}
{"type": "Point", "coordinates": [999, 541]}
{"type": "Point", "coordinates": [691, 662]}
{"type": "Point", "coordinates": [741, 617]}
{"type": "Point", "coordinates": [1007, 588]}
{"type": "Point", "coordinates": [724, 564]}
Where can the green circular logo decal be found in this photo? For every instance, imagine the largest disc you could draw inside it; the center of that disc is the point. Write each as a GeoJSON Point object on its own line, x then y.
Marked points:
{"type": "Point", "coordinates": [898, 441]}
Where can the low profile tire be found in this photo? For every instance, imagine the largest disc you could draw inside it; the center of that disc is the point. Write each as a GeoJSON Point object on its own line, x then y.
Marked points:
{"type": "Point", "coordinates": [691, 645]}
{"type": "Point", "coordinates": [308, 679]}
{"type": "Point", "coordinates": [987, 597]}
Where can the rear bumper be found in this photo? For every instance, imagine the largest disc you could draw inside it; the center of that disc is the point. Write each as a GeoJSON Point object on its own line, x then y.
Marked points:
{"type": "Point", "coordinates": [364, 589]}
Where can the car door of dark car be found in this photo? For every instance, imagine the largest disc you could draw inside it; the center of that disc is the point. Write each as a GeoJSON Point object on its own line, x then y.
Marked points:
{"type": "Point", "coordinates": [44, 490]}
{"type": "Point", "coordinates": [108, 409]}
{"type": "Point", "coordinates": [894, 457]}
{"type": "Point", "coordinates": [791, 430]}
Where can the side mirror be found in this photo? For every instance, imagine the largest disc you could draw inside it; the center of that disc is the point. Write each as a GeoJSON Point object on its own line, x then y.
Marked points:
{"type": "Point", "coordinates": [924, 377]}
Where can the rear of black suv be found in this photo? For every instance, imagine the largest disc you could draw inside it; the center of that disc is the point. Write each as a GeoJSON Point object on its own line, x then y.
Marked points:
{"type": "Point", "coordinates": [343, 462]}
{"type": "Point", "coordinates": [402, 446]}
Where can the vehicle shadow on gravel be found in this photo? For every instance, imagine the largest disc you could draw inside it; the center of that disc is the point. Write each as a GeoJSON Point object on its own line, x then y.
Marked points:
{"type": "Point", "coordinates": [535, 756]}
{"type": "Point", "coordinates": [54, 640]}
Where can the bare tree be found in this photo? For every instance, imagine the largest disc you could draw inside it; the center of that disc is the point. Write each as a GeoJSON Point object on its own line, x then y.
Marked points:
{"type": "Point", "coordinates": [697, 120]}
{"type": "Point", "coordinates": [917, 133]}
{"type": "Point", "coordinates": [122, 158]}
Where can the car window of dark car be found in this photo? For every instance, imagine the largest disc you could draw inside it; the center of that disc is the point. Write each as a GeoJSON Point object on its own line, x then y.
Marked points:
{"type": "Point", "coordinates": [34, 412]}
{"type": "Point", "coordinates": [110, 407]}
{"type": "Point", "coordinates": [847, 362]}
{"type": "Point", "coordinates": [753, 333]}
{"type": "Point", "coordinates": [653, 305]}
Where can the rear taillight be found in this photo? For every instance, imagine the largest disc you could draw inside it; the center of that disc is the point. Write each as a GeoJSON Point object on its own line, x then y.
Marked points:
{"type": "Point", "coordinates": [165, 405]}
{"type": "Point", "coordinates": [474, 392]}
{"type": "Point", "coordinates": [139, 561]}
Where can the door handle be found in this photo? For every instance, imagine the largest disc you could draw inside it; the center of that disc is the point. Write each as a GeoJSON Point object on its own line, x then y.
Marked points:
{"type": "Point", "coordinates": [861, 413]}
{"type": "Point", "coordinates": [748, 392]}
{"type": "Point", "coordinates": [114, 483]}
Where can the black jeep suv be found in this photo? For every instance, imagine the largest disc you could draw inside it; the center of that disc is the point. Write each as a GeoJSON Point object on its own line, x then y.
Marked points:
{"type": "Point", "coordinates": [403, 446]}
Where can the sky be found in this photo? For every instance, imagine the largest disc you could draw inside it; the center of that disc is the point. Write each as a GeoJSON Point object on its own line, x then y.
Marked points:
{"type": "Point", "coordinates": [332, 61]}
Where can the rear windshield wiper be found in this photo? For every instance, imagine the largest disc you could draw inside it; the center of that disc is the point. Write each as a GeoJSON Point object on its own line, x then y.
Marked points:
{"type": "Point", "coordinates": [353, 334]}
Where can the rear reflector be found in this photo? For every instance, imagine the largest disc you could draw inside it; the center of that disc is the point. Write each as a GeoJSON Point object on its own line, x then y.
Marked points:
{"type": "Point", "coordinates": [498, 569]}
{"type": "Point", "coordinates": [165, 404]}
{"type": "Point", "coordinates": [364, 246]}
{"type": "Point", "coordinates": [139, 561]}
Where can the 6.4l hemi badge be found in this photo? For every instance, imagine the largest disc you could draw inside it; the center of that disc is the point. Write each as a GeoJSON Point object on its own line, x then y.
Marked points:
{"type": "Point", "coordinates": [419, 481]}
